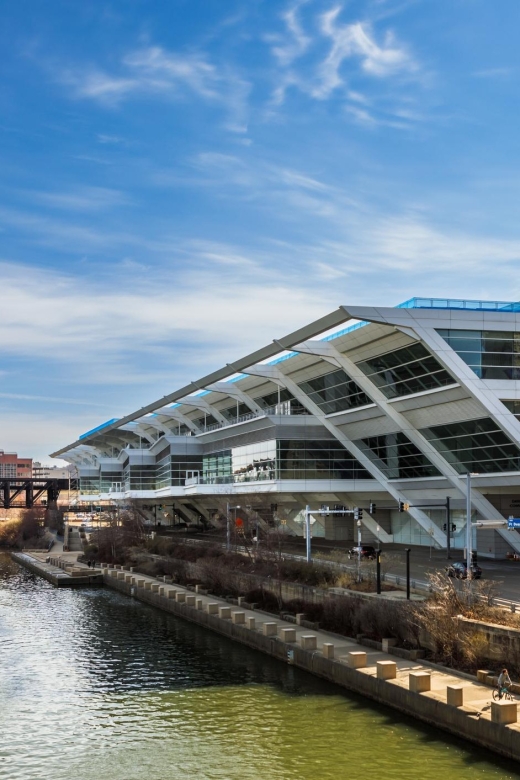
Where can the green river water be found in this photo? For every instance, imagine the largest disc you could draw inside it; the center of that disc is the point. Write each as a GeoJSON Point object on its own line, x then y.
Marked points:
{"type": "Point", "coordinates": [97, 686]}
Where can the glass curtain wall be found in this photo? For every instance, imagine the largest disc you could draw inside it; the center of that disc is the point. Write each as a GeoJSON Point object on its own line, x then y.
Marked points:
{"type": "Point", "coordinates": [490, 354]}
{"type": "Point", "coordinates": [513, 407]}
{"type": "Point", "coordinates": [335, 392]}
{"type": "Point", "coordinates": [397, 457]}
{"type": "Point", "coordinates": [282, 398]}
{"type": "Point", "coordinates": [405, 371]}
{"type": "Point", "coordinates": [475, 446]}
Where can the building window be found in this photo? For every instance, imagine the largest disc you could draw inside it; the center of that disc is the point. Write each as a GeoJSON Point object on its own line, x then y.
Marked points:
{"type": "Point", "coordinates": [490, 354]}
{"type": "Point", "coordinates": [216, 467]}
{"type": "Point", "coordinates": [397, 457]}
{"type": "Point", "coordinates": [281, 400]}
{"type": "Point", "coordinates": [513, 407]}
{"type": "Point", "coordinates": [475, 445]}
{"type": "Point", "coordinates": [317, 460]}
{"type": "Point", "coordinates": [406, 371]}
{"type": "Point", "coordinates": [335, 392]}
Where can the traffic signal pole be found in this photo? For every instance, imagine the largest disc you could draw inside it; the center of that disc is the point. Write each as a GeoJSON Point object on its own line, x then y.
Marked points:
{"type": "Point", "coordinates": [448, 528]}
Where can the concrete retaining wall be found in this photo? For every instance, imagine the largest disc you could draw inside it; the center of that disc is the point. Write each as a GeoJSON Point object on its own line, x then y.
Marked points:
{"type": "Point", "coordinates": [459, 721]}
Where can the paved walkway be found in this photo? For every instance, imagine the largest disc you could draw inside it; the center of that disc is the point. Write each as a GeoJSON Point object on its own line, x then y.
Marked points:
{"type": "Point", "coordinates": [477, 696]}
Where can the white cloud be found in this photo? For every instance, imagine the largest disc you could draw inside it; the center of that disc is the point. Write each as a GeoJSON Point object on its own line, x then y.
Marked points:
{"type": "Point", "coordinates": [287, 50]}
{"type": "Point", "coordinates": [81, 198]}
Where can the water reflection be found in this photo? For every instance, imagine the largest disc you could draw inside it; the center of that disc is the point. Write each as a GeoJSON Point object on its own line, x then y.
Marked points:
{"type": "Point", "coordinates": [97, 685]}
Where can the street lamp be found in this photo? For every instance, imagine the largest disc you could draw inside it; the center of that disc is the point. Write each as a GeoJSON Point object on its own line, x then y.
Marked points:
{"type": "Point", "coordinates": [228, 524]}
{"type": "Point", "coordinates": [469, 539]}
{"type": "Point", "coordinates": [359, 550]}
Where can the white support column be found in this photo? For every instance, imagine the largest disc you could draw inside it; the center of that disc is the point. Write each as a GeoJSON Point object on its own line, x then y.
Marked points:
{"type": "Point", "coordinates": [175, 414]}
{"type": "Point", "coordinates": [200, 403]}
{"type": "Point", "coordinates": [235, 392]}
{"type": "Point", "coordinates": [276, 375]}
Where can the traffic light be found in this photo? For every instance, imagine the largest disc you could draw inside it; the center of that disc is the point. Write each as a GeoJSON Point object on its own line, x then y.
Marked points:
{"type": "Point", "coordinates": [453, 527]}
{"type": "Point", "coordinates": [358, 513]}
{"type": "Point", "coordinates": [404, 506]}
{"type": "Point", "coordinates": [372, 508]}
{"type": "Point", "coordinates": [444, 527]}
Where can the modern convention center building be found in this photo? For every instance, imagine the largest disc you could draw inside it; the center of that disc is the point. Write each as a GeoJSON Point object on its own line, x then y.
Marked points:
{"type": "Point", "coordinates": [383, 409]}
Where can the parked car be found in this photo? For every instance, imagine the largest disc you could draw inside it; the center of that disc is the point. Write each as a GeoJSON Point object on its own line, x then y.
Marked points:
{"type": "Point", "coordinates": [459, 570]}
{"type": "Point", "coordinates": [365, 550]}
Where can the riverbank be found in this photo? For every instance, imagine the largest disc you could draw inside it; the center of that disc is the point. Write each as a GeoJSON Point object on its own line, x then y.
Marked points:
{"type": "Point", "coordinates": [59, 571]}
{"type": "Point", "coordinates": [451, 701]}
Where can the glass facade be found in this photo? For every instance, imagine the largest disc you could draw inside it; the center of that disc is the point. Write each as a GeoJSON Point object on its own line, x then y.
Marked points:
{"type": "Point", "coordinates": [475, 446]}
{"type": "Point", "coordinates": [283, 459]}
{"type": "Point", "coordinates": [513, 407]}
{"type": "Point", "coordinates": [171, 469]}
{"type": "Point", "coordinates": [139, 477]}
{"type": "Point", "coordinates": [406, 371]}
{"type": "Point", "coordinates": [282, 398]}
{"type": "Point", "coordinates": [491, 354]}
{"type": "Point", "coordinates": [335, 392]}
{"type": "Point", "coordinates": [397, 457]}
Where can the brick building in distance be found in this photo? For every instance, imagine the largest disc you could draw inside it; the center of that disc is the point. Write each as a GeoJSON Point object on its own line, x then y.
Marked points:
{"type": "Point", "coordinates": [13, 467]}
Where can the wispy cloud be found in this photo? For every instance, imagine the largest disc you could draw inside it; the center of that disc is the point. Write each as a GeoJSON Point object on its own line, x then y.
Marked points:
{"type": "Point", "coordinates": [288, 48]}
{"type": "Point", "coordinates": [81, 199]}
{"type": "Point", "coordinates": [492, 73]}
{"type": "Point", "coordinates": [170, 75]}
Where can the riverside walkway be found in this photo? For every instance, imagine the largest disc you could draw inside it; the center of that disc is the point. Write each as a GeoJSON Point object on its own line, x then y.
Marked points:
{"type": "Point", "coordinates": [453, 701]}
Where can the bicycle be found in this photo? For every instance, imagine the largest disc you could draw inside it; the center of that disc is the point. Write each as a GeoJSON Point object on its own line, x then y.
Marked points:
{"type": "Point", "coordinates": [503, 693]}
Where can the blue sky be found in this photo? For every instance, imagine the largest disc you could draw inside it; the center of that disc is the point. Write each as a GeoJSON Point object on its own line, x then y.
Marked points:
{"type": "Point", "coordinates": [185, 181]}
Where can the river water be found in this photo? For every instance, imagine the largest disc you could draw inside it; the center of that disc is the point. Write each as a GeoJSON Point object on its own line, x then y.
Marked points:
{"type": "Point", "coordinates": [97, 686]}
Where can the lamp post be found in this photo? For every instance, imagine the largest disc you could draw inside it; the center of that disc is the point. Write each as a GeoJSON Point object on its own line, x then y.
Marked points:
{"type": "Point", "coordinates": [469, 539]}
{"type": "Point", "coordinates": [359, 550]}
{"type": "Point", "coordinates": [228, 525]}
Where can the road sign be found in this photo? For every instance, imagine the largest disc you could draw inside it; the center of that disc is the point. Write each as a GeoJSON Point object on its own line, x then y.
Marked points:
{"type": "Point", "coordinates": [513, 522]}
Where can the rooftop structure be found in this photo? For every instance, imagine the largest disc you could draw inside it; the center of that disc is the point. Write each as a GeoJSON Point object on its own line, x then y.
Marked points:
{"type": "Point", "coordinates": [368, 405]}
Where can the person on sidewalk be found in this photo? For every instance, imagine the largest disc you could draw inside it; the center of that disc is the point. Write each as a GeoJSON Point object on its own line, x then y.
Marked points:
{"type": "Point", "coordinates": [504, 682]}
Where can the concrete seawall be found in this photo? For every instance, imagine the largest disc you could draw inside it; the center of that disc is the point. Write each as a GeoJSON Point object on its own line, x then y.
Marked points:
{"type": "Point", "coordinates": [465, 721]}
{"type": "Point", "coordinates": [56, 575]}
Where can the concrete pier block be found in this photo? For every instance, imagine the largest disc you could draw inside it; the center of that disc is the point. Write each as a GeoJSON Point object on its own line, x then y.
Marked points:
{"type": "Point", "coordinates": [171, 594]}
{"type": "Point", "coordinates": [241, 600]}
{"type": "Point", "coordinates": [455, 695]}
{"type": "Point", "coordinates": [132, 568]}
{"type": "Point", "coordinates": [113, 574]}
{"type": "Point", "coordinates": [212, 608]}
{"type": "Point", "coordinates": [309, 642]}
{"type": "Point", "coordinates": [287, 634]}
{"type": "Point", "coordinates": [357, 659]}
{"type": "Point", "coordinates": [419, 682]}
{"type": "Point", "coordinates": [118, 567]}
{"type": "Point", "coordinates": [140, 583]}
{"type": "Point", "coordinates": [180, 597]}
{"type": "Point", "coordinates": [190, 600]}
{"type": "Point", "coordinates": [121, 575]}
{"type": "Point", "coordinates": [328, 650]}
{"type": "Point", "coordinates": [299, 617]}
{"type": "Point", "coordinates": [110, 565]}
{"type": "Point", "coordinates": [197, 588]}
{"type": "Point", "coordinates": [386, 670]}
{"type": "Point", "coordinates": [270, 629]}
{"type": "Point", "coordinates": [482, 675]}
{"type": "Point", "coordinates": [161, 590]}
{"type": "Point", "coordinates": [147, 585]}
{"type": "Point", "coordinates": [251, 622]}
{"type": "Point", "coordinates": [155, 587]}
{"type": "Point", "coordinates": [504, 712]}
{"type": "Point", "coordinates": [224, 613]}
{"type": "Point", "coordinates": [387, 644]}
{"type": "Point", "coordinates": [198, 603]}
{"type": "Point", "coordinates": [238, 618]}
{"type": "Point", "coordinates": [128, 578]}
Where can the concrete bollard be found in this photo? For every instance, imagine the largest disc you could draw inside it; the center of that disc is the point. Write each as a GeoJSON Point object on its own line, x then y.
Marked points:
{"type": "Point", "coordinates": [171, 594]}
{"type": "Point", "coordinates": [251, 622]}
{"type": "Point", "coordinates": [190, 600]}
{"type": "Point", "coordinates": [113, 574]}
{"type": "Point", "coordinates": [180, 597]}
{"type": "Point", "coordinates": [504, 712]}
{"type": "Point", "coordinates": [419, 682]}
{"type": "Point", "coordinates": [155, 587]}
{"type": "Point", "coordinates": [110, 565]}
{"type": "Point", "coordinates": [132, 568]}
{"type": "Point", "coordinates": [309, 642]}
{"type": "Point", "coordinates": [212, 608]}
{"type": "Point", "coordinates": [238, 617]}
{"type": "Point", "coordinates": [287, 634]}
{"type": "Point", "coordinates": [455, 695]}
{"type": "Point", "coordinates": [147, 585]}
{"type": "Point", "coordinates": [241, 600]}
{"type": "Point", "coordinates": [386, 670]}
{"type": "Point", "coordinates": [328, 650]}
{"type": "Point", "coordinates": [299, 617]}
{"type": "Point", "coordinates": [482, 675]}
{"type": "Point", "coordinates": [198, 603]}
{"type": "Point", "coordinates": [387, 644]}
{"type": "Point", "coordinates": [161, 590]}
{"type": "Point", "coordinates": [357, 659]}
{"type": "Point", "coordinates": [224, 613]}
{"type": "Point", "coordinates": [140, 583]}
{"type": "Point", "coordinates": [121, 575]}
{"type": "Point", "coordinates": [128, 578]}
{"type": "Point", "coordinates": [118, 568]}
{"type": "Point", "coordinates": [270, 629]}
